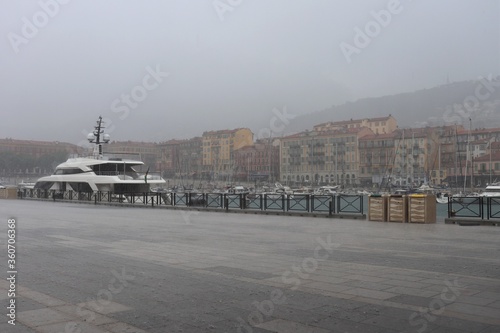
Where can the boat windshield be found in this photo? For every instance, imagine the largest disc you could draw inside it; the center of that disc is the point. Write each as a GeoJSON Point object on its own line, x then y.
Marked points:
{"type": "Point", "coordinates": [115, 169]}
{"type": "Point", "coordinates": [68, 171]}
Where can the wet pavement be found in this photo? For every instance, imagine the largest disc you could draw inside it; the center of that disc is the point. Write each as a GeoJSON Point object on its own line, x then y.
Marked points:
{"type": "Point", "coordinates": [86, 268]}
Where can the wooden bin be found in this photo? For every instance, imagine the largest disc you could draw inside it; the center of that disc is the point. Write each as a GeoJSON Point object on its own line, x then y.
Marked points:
{"type": "Point", "coordinates": [422, 208]}
{"type": "Point", "coordinates": [397, 208]}
{"type": "Point", "coordinates": [8, 193]}
{"type": "Point", "coordinates": [377, 208]}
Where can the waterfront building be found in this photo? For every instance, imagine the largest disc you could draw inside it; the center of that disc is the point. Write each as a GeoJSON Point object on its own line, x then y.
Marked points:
{"type": "Point", "coordinates": [30, 157]}
{"type": "Point", "coordinates": [486, 169]}
{"type": "Point", "coordinates": [181, 158]}
{"type": "Point", "coordinates": [168, 157]}
{"type": "Point", "coordinates": [322, 157]}
{"type": "Point", "coordinates": [258, 162]}
{"type": "Point", "coordinates": [218, 151]}
{"type": "Point", "coordinates": [470, 145]}
{"type": "Point", "coordinates": [416, 154]}
{"type": "Point", "coordinates": [376, 159]}
{"type": "Point", "coordinates": [380, 125]}
{"type": "Point", "coordinates": [36, 148]}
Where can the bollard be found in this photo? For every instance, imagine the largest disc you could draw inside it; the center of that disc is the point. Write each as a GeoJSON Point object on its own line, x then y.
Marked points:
{"type": "Point", "coordinates": [226, 204]}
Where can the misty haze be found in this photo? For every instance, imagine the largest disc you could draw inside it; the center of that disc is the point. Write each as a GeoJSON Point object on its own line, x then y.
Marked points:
{"type": "Point", "coordinates": [250, 166]}
{"type": "Point", "coordinates": [228, 64]}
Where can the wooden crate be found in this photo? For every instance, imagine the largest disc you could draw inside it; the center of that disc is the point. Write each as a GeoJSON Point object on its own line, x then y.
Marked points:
{"type": "Point", "coordinates": [422, 208]}
{"type": "Point", "coordinates": [397, 208]}
{"type": "Point", "coordinates": [8, 193]}
{"type": "Point", "coordinates": [377, 208]}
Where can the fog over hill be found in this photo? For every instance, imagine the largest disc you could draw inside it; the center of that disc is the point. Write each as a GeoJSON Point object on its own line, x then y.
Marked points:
{"type": "Point", "coordinates": [447, 104]}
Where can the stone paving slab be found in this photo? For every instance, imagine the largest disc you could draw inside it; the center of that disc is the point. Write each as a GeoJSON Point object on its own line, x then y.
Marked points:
{"type": "Point", "coordinates": [114, 270]}
{"type": "Point", "coordinates": [122, 328]}
{"type": "Point", "coordinates": [40, 317]}
{"type": "Point", "coordinates": [412, 291]}
{"type": "Point", "coordinates": [376, 294]}
{"type": "Point", "coordinates": [287, 326]}
{"type": "Point", "coordinates": [71, 326]}
{"type": "Point", "coordinates": [41, 298]}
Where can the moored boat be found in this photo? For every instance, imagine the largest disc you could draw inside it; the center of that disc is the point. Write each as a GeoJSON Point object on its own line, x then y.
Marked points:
{"type": "Point", "coordinates": [100, 172]}
{"type": "Point", "coordinates": [492, 190]}
{"type": "Point", "coordinates": [442, 197]}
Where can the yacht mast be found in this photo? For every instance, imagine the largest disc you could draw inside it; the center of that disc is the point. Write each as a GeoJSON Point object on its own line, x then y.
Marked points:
{"type": "Point", "coordinates": [95, 137]}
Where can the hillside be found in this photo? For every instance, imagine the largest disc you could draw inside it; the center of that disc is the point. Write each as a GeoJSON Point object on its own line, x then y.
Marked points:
{"type": "Point", "coordinates": [448, 104]}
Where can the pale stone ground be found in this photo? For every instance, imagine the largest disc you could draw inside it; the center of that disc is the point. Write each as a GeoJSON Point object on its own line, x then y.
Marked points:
{"type": "Point", "coordinates": [85, 268]}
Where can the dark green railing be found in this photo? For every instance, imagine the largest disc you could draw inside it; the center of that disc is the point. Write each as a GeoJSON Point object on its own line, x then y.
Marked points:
{"type": "Point", "coordinates": [327, 204]}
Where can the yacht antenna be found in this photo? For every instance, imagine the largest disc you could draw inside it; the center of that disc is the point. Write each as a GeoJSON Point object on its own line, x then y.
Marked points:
{"type": "Point", "coordinates": [95, 137]}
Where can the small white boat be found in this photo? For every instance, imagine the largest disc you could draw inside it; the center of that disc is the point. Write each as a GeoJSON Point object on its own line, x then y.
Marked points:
{"type": "Point", "coordinates": [364, 192]}
{"type": "Point", "coordinates": [24, 185]}
{"type": "Point", "coordinates": [237, 189]}
{"type": "Point", "coordinates": [327, 190]}
{"type": "Point", "coordinates": [492, 190]}
{"type": "Point", "coordinates": [442, 197]}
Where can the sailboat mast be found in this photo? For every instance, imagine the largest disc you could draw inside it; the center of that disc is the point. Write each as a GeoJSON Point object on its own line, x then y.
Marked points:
{"type": "Point", "coordinates": [457, 160]}
{"type": "Point", "coordinates": [471, 158]}
{"type": "Point", "coordinates": [467, 157]}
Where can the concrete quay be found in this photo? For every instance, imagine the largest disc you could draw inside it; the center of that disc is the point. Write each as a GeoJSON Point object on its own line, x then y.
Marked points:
{"type": "Point", "coordinates": [94, 268]}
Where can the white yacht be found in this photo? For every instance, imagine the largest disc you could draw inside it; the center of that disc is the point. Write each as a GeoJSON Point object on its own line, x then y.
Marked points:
{"type": "Point", "coordinates": [492, 190]}
{"type": "Point", "coordinates": [99, 172]}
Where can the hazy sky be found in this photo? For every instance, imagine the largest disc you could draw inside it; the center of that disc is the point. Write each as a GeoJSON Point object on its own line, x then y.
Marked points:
{"type": "Point", "coordinates": [163, 69]}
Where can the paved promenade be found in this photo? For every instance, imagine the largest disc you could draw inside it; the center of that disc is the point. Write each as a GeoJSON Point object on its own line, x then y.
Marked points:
{"type": "Point", "coordinates": [86, 268]}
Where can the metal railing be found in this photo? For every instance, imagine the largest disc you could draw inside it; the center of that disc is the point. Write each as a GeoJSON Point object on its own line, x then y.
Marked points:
{"type": "Point", "coordinates": [328, 204]}
{"type": "Point", "coordinates": [299, 203]}
{"type": "Point", "coordinates": [475, 207]}
{"type": "Point", "coordinates": [350, 204]}
{"type": "Point", "coordinates": [465, 207]}
{"type": "Point", "coordinates": [493, 208]}
{"type": "Point", "coordinates": [322, 203]}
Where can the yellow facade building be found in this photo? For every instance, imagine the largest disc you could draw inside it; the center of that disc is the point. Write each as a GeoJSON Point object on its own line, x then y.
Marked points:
{"type": "Point", "coordinates": [380, 125]}
{"type": "Point", "coordinates": [219, 146]}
